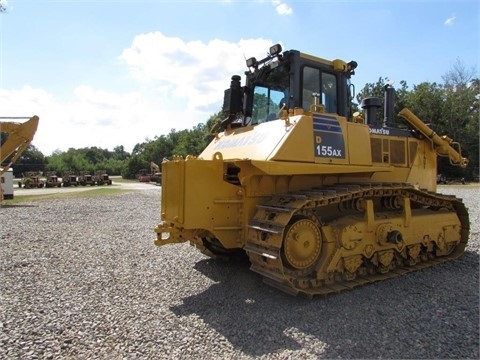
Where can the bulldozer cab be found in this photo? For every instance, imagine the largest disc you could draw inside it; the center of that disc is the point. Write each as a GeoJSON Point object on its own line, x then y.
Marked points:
{"type": "Point", "coordinates": [287, 81]}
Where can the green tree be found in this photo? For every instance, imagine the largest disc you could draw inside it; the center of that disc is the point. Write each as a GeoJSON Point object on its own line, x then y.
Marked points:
{"type": "Point", "coordinates": [57, 163]}
{"type": "Point", "coordinates": [462, 96]}
{"type": "Point", "coordinates": [427, 102]}
{"type": "Point", "coordinates": [133, 165]}
{"type": "Point", "coordinates": [212, 125]}
{"type": "Point", "coordinates": [120, 153]}
{"type": "Point", "coordinates": [31, 159]}
{"type": "Point", "coordinates": [378, 90]}
{"type": "Point", "coordinates": [182, 143]}
{"type": "Point", "coordinates": [450, 108]}
{"type": "Point", "coordinates": [88, 159]}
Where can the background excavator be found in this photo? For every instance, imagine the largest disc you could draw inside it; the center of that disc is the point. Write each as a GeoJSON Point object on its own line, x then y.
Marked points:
{"type": "Point", "coordinates": [16, 137]}
{"type": "Point", "coordinates": [156, 174]}
{"type": "Point", "coordinates": [320, 198]}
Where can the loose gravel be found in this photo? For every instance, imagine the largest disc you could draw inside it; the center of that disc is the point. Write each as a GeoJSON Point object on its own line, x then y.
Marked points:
{"type": "Point", "coordinates": [81, 279]}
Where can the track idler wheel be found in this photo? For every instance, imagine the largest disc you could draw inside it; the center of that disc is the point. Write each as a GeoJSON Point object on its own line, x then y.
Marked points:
{"type": "Point", "coordinates": [302, 244]}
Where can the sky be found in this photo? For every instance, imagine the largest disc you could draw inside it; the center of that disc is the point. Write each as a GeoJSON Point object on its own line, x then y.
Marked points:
{"type": "Point", "coordinates": [110, 73]}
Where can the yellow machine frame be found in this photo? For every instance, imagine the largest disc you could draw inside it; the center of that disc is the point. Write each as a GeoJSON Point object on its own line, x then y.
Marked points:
{"type": "Point", "coordinates": [19, 137]}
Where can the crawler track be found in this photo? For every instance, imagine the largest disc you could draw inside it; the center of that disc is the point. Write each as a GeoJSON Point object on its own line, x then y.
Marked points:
{"type": "Point", "coordinates": [336, 238]}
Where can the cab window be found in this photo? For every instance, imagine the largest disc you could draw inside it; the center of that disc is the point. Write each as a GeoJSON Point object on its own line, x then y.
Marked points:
{"type": "Point", "coordinates": [267, 102]}
{"type": "Point", "coordinates": [323, 83]}
{"type": "Point", "coordinates": [329, 92]}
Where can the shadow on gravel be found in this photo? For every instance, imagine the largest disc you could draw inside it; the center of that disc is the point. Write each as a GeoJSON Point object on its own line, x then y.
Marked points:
{"type": "Point", "coordinates": [428, 314]}
{"type": "Point", "coordinates": [6, 206]}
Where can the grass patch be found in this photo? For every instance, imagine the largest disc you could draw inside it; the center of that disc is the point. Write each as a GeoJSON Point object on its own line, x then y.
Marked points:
{"type": "Point", "coordinates": [18, 199]}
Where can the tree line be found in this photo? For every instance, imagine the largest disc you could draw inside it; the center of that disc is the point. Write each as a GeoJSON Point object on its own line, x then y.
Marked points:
{"type": "Point", "coordinates": [450, 108]}
{"type": "Point", "coordinates": [118, 162]}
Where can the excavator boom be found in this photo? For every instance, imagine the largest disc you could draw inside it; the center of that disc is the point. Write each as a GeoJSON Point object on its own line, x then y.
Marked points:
{"type": "Point", "coordinates": [18, 137]}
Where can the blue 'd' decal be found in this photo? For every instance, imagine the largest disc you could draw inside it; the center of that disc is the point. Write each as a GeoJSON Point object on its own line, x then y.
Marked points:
{"type": "Point", "coordinates": [328, 137]}
{"type": "Point", "coordinates": [326, 123]}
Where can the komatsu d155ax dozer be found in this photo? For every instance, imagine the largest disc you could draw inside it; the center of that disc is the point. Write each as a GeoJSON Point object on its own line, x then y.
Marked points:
{"type": "Point", "coordinates": [321, 200]}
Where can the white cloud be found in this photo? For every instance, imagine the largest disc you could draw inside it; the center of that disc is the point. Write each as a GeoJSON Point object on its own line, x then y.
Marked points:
{"type": "Point", "coordinates": [450, 21]}
{"type": "Point", "coordinates": [193, 72]}
{"type": "Point", "coordinates": [282, 8]}
{"type": "Point", "coordinates": [94, 118]}
{"type": "Point", "coordinates": [180, 84]}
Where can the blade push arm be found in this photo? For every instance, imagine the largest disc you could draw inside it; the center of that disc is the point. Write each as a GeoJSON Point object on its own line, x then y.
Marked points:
{"type": "Point", "coordinates": [444, 146]}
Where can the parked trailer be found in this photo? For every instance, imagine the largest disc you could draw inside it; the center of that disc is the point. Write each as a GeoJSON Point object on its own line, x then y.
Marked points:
{"type": "Point", "coordinates": [143, 175]}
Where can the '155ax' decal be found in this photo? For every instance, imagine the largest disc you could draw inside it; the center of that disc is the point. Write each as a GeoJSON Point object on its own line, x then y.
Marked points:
{"type": "Point", "coordinates": [328, 137]}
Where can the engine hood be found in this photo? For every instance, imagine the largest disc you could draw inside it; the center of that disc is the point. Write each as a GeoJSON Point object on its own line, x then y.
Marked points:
{"type": "Point", "coordinates": [273, 140]}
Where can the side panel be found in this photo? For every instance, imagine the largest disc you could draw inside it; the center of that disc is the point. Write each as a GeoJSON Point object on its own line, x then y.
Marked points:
{"type": "Point", "coordinates": [316, 138]}
{"type": "Point", "coordinates": [411, 160]}
{"type": "Point", "coordinates": [297, 146]}
{"type": "Point", "coordinates": [251, 142]}
{"type": "Point", "coordinates": [424, 164]}
{"type": "Point", "coordinates": [173, 191]}
{"type": "Point", "coordinates": [358, 140]}
{"type": "Point", "coordinates": [337, 141]}
{"type": "Point", "coordinates": [329, 138]}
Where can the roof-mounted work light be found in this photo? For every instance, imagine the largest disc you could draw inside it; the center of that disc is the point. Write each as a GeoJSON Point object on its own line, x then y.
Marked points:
{"type": "Point", "coordinates": [275, 49]}
{"type": "Point", "coordinates": [251, 62]}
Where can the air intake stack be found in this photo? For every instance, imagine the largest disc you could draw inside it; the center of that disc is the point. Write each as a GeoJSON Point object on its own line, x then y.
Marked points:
{"type": "Point", "coordinates": [388, 110]}
{"type": "Point", "coordinates": [371, 105]}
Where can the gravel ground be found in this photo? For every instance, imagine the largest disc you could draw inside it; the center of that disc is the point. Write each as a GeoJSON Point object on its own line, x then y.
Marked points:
{"type": "Point", "coordinates": [81, 279]}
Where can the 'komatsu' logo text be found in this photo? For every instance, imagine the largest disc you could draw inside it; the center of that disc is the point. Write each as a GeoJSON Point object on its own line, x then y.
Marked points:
{"type": "Point", "coordinates": [380, 131]}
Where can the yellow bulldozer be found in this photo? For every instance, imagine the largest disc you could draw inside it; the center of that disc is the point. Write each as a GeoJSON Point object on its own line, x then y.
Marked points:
{"type": "Point", "coordinates": [16, 137]}
{"type": "Point", "coordinates": [320, 198]}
